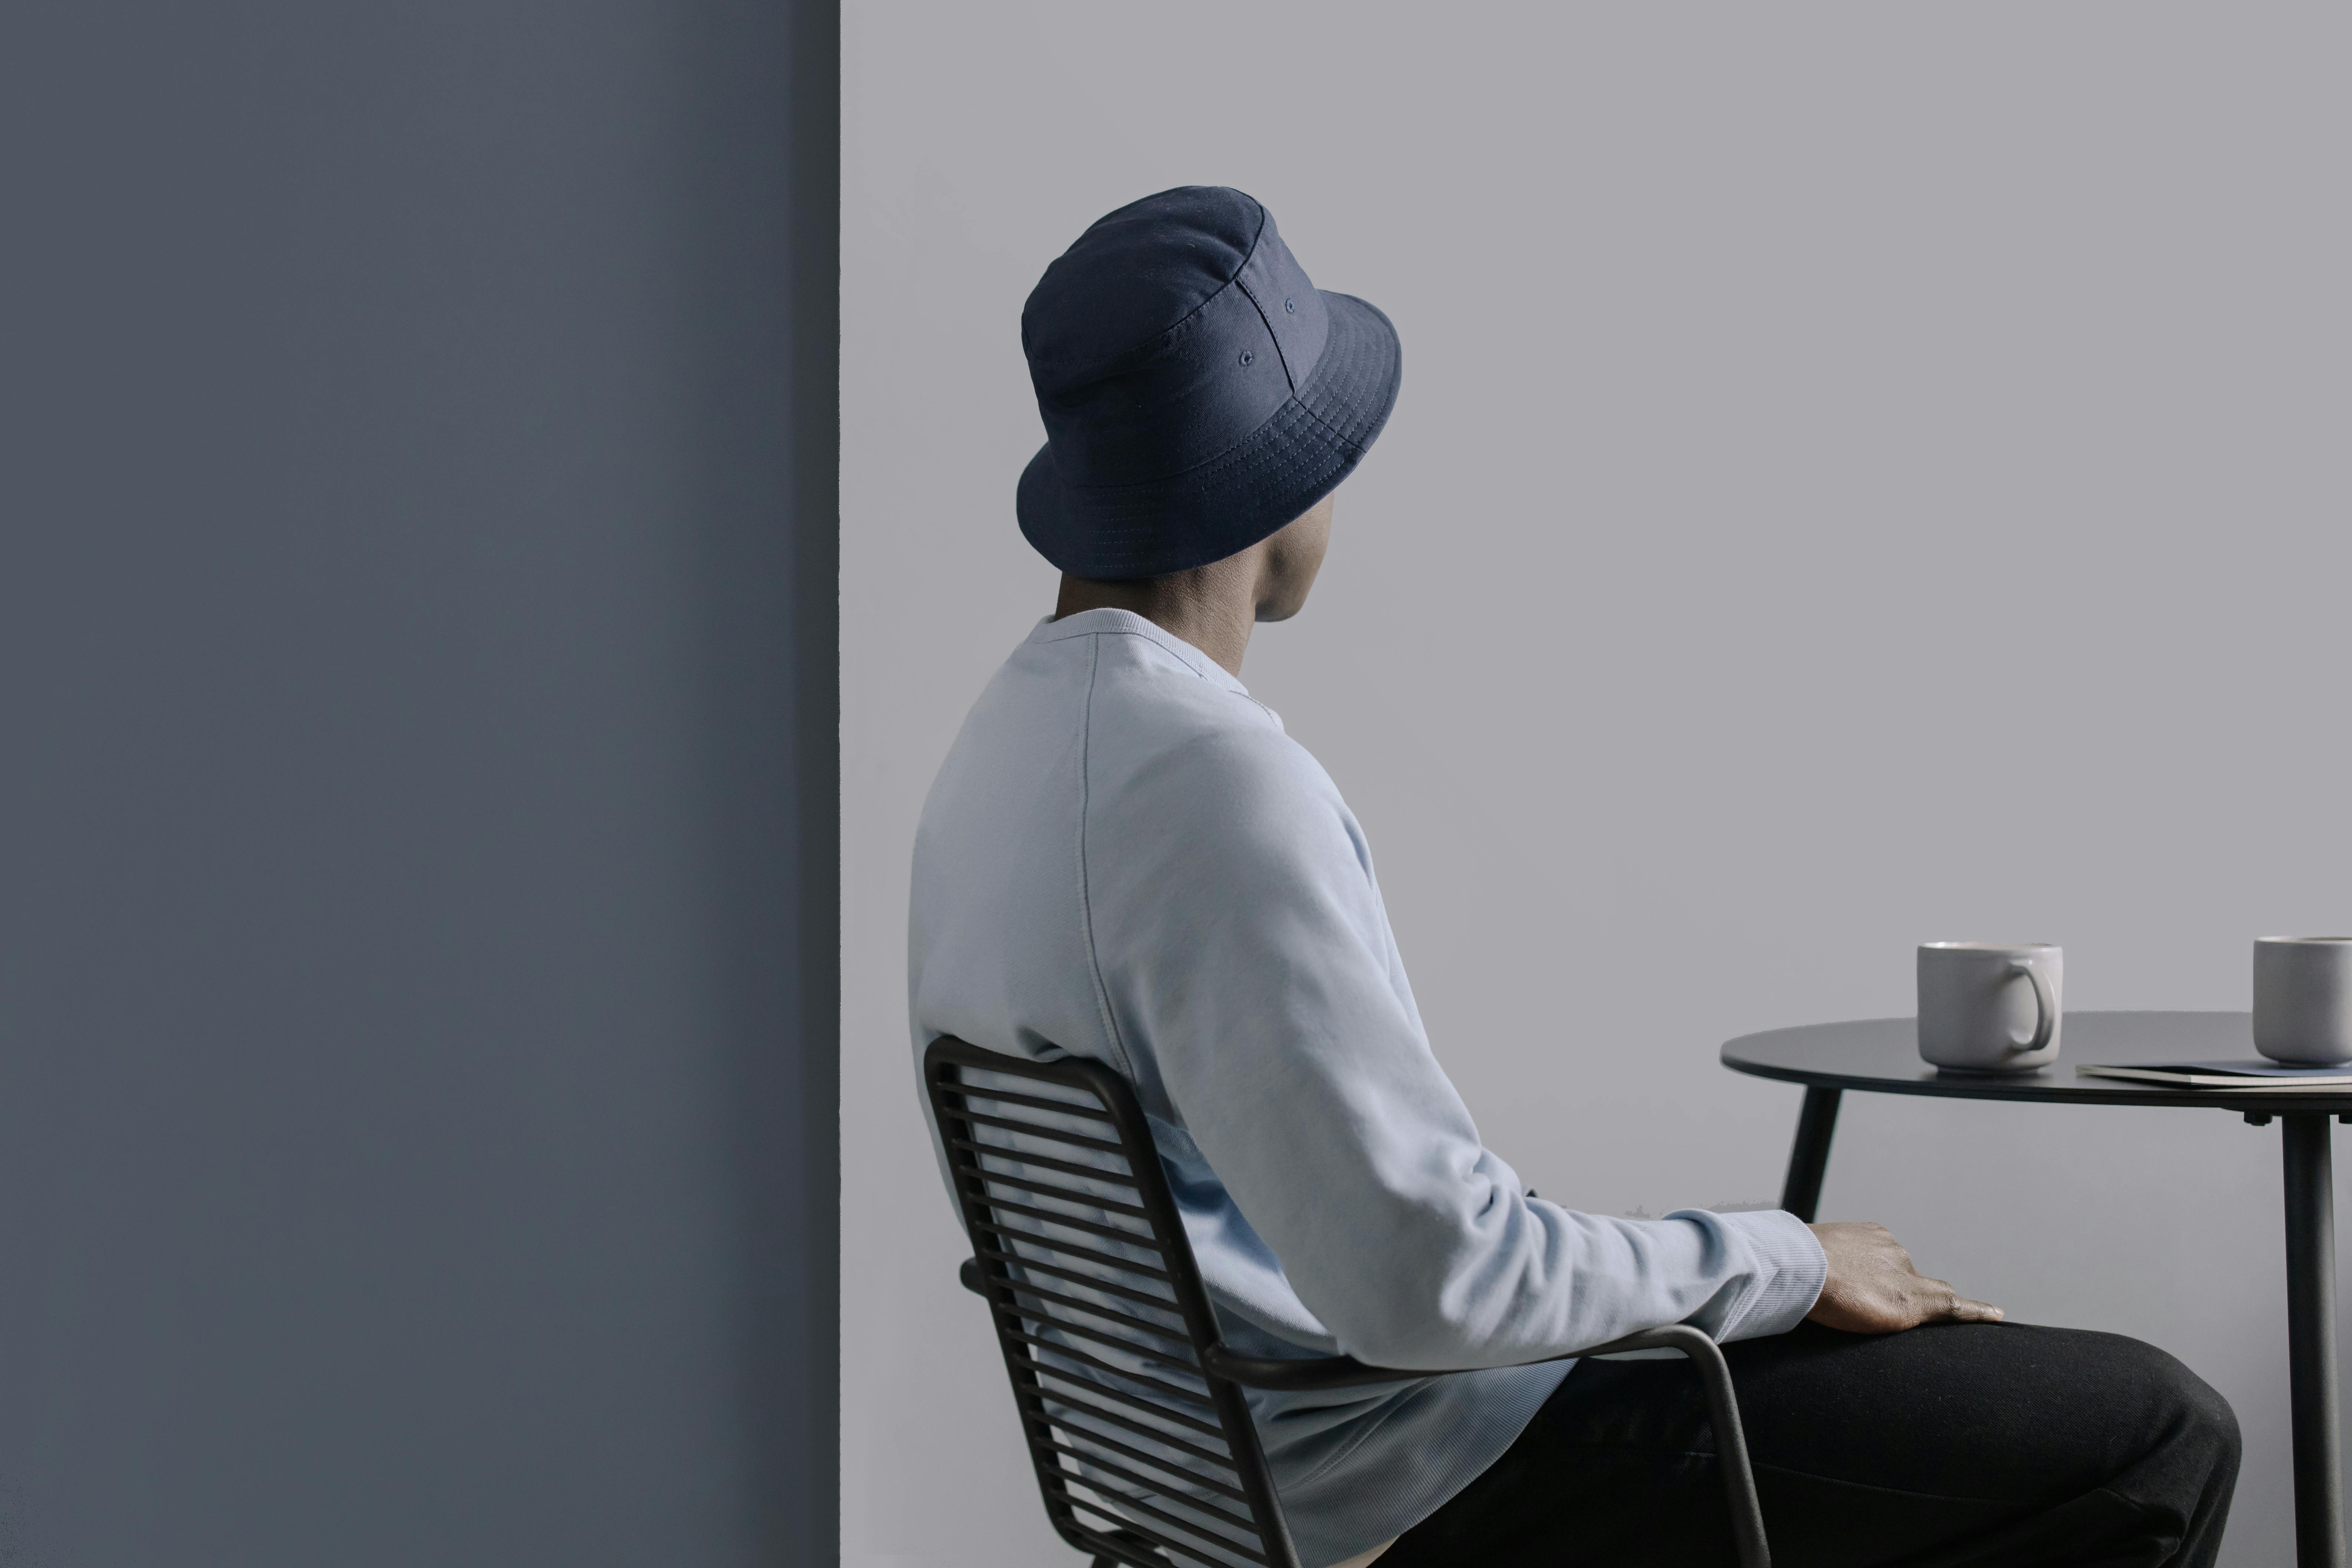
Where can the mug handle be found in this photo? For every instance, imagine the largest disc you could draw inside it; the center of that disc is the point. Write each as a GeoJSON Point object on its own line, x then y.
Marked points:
{"type": "Point", "coordinates": [2045, 1006]}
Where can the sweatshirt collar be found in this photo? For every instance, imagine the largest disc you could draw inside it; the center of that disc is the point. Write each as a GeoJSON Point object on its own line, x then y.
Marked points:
{"type": "Point", "coordinates": [1090, 623]}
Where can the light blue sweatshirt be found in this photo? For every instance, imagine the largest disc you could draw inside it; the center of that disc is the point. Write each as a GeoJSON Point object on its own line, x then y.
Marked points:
{"type": "Point", "coordinates": [1125, 858]}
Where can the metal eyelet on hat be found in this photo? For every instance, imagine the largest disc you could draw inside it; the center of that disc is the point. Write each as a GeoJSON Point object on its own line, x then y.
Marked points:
{"type": "Point", "coordinates": [1247, 356]}
{"type": "Point", "coordinates": [1290, 307]}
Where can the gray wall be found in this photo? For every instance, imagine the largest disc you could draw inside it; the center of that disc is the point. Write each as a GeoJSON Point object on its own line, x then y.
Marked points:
{"type": "Point", "coordinates": [415, 741]}
{"type": "Point", "coordinates": [1863, 475]}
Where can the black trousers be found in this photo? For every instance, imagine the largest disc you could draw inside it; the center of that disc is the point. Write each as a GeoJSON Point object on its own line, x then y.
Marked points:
{"type": "Point", "coordinates": [1963, 1444]}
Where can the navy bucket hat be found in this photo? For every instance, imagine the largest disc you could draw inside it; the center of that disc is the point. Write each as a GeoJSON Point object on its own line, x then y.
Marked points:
{"type": "Point", "coordinates": [1198, 392]}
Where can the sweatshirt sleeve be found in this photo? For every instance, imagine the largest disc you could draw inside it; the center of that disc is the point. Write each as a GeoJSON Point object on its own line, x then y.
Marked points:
{"type": "Point", "coordinates": [1237, 929]}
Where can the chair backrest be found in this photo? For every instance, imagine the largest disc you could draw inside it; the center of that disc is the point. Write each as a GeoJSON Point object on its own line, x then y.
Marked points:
{"type": "Point", "coordinates": [1144, 1457]}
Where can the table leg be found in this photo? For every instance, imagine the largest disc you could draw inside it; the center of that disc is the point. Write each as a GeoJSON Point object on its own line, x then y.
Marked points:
{"type": "Point", "coordinates": [2311, 1340]}
{"type": "Point", "coordinates": [1800, 1195]}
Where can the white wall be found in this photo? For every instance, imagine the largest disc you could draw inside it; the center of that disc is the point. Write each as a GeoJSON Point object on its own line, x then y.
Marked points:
{"type": "Point", "coordinates": [1863, 475]}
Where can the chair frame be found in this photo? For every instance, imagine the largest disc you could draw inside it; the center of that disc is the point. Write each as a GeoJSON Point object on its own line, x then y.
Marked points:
{"type": "Point", "coordinates": [1225, 1373]}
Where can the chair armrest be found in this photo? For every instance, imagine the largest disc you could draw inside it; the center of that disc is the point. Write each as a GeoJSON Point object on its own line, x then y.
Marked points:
{"type": "Point", "coordinates": [1704, 1355]}
{"type": "Point", "coordinates": [1292, 1376]}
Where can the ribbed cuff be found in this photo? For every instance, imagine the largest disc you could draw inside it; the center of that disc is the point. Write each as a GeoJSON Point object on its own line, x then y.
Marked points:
{"type": "Point", "coordinates": [1791, 1267]}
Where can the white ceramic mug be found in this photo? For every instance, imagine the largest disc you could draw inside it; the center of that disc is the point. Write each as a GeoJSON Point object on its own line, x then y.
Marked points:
{"type": "Point", "coordinates": [2303, 999]}
{"type": "Point", "coordinates": [1990, 1007]}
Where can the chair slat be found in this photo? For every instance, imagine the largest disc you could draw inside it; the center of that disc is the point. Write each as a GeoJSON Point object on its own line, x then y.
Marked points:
{"type": "Point", "coordinates": [1135, 1401]}
{"type": "Point", "coordinates": [1125, 1292]}
{"type": "Point", "coordinates": [998, 1152]}
{"type": "Point", "coordinates": [1113, 1522]}
{"type": "Point", "coordinates": [1172, 1521]}
{"type": "Point", "coordinates": [1152, 1384]}
{"type": "Point", "coordinates": [1074, 1401]}
{"type": "Point", "coordinates": [1063, 1325]}
{"type": "Point", "coordinates": [1062, 1423]}
{"type": "Point", "coordinates": [1072, 1302]}
{"type": "Point", "coordinates": [1038, 1129]}
{"type": "Point", "coordinates": [971, 1092]}
{"type": "Point", "coordinates": [998, 1178]}
{"type": "Point", "coordinates": [1208, 1507]}
{"type": "Point", "coordinates": [1092, 1228]}
{"type": "Point", "coordinates": [1071, 1249]}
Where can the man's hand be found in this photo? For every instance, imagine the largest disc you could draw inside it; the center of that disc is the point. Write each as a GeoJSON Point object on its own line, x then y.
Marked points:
{"type": "Point", "coordinates": [1872, 1288]}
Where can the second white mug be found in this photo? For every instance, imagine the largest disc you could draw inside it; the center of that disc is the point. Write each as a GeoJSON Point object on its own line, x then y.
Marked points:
{"type": "Point", "coordinates": [1991, 1007]}
{"type": "Point", "coordinates": [2303, 999]}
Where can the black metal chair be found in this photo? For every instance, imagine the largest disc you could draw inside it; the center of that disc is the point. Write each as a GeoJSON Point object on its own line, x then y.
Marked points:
{"type": "Point", "coordinates": [1130, 1402]}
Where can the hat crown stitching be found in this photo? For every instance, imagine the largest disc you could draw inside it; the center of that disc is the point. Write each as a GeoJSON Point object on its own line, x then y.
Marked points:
{"type": "Point", "coordinates": [1119, 225]}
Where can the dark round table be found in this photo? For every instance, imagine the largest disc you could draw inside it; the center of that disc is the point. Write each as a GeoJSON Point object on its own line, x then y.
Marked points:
{"type": "Point", "coordinates": [1880, 1056]}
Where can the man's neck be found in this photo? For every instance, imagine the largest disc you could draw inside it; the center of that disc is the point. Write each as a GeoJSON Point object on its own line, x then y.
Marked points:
{"type": "Point", "coordinates": [1214, 608]}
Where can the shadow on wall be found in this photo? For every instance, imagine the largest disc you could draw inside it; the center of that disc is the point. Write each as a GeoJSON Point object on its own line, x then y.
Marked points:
{"type": "Point", "coordinates": [417, 651]}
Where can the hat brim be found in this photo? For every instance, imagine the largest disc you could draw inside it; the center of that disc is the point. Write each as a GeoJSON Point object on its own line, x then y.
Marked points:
{"type": "Point", "coordinates": [1244, 494]}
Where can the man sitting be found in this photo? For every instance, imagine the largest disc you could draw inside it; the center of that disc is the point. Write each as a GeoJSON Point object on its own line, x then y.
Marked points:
{"type": "Point", "coordinates": [1125, 858]}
